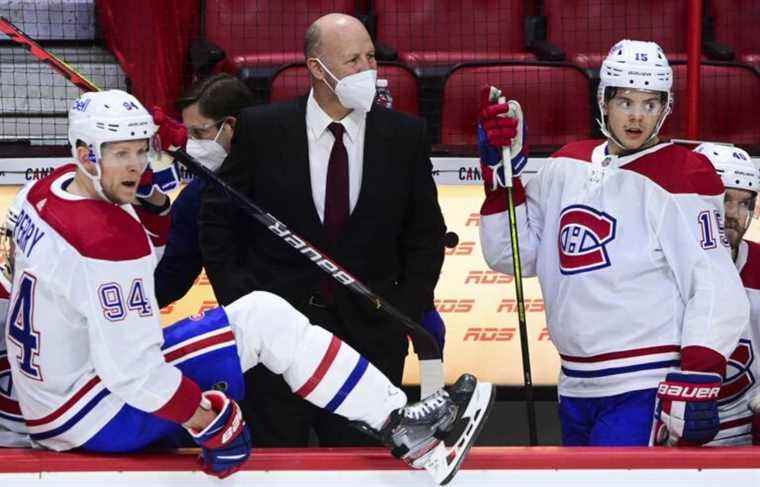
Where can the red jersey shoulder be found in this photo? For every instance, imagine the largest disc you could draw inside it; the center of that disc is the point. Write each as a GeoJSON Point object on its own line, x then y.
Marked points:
{"type": "Point", "coordinates": [678, 170]}
{"type": "Point", "coordinates": [580, 150]}
{"type": "Point", "coordinates": [95, 228]}
{"type": "Point", "coordinates": [751, 271]}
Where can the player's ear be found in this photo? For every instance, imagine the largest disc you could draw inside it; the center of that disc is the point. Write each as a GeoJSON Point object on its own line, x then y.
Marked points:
{"type": "Point", "coordinates": [83, 157]}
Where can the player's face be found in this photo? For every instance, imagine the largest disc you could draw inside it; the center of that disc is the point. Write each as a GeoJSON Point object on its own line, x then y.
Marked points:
{"type": "Point", "coordinates": [632, 116]}
{"type": "Point", "coordinates": [203, 128]}
{"type": "Point", "coordinates": [122, 164]}
{"type": "Point", "coordinates": [738, 204]}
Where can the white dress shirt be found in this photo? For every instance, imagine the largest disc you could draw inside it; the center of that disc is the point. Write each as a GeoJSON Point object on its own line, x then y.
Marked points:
{"type": "Point", "coordinates": [320, 145]}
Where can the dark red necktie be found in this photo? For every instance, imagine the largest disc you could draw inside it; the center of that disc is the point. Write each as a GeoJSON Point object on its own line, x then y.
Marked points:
{"type": "Point", "coordinates": [336, 190]}
{"type": "Point", "coordinates": [336, 199]}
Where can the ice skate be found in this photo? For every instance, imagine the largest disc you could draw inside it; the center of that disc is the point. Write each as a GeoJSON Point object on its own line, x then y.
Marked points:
{"type": "Point", "coordinates": [437, 432]}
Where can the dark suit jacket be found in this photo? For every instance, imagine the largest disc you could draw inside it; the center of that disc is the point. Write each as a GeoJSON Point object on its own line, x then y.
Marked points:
{"type": "Point", "coordinates": [392, 241]}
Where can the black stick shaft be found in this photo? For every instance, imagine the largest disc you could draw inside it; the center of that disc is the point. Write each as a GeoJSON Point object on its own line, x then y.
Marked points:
{"type": "Point", "coordinates": [425, 345]}
{"type": "Point", "coordinates": [521, 319]}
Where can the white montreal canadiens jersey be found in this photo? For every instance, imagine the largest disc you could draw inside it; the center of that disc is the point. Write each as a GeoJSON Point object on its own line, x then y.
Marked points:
{"type": "Point", "coordinates": [12, 428]}
{"type": "Point", "coordinates": [633, 264]}
{"type": "Point", "coordinates": [83, 330]}
{"type": "Point", "coordinates": [743, 366]}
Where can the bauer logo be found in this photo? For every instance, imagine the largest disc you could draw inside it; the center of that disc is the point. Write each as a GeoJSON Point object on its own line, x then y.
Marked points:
{"type": "Point", "coordinates": [583, 235]}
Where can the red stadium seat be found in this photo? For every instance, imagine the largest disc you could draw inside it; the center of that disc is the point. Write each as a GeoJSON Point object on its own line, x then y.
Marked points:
{"type": "Point", "coordinates": [736, 24]}
{"type": "Point", "coordinates": [265, 32]}
{"type": "Point", "coordinates": [441, 32]}
{"type": "Point", "coordinates": [555, 100]}
{"type": "Point", "coordinates": [587, 29]}
{"type": "Point", "coordinates": [729, 97]}
{"type": "Point", "coordinates": [293, 81]}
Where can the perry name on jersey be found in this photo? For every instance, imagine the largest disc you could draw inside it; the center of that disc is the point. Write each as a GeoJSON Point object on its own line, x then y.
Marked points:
{"type": "Point", "coordinates": [83, 331]}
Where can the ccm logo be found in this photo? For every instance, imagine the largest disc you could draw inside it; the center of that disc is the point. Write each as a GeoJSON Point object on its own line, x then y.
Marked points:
{"type": "Point", "coordinates": [674, 391]}
{"type": "Point", "coordinates": [453, 305]}
{"type": "Point", "coordinates": [279, 229]}
{"type": "Point", "coordinates": [464, 248]}
{"type": "Point", "coordinates": [487, 277]}
{"type": "Point", "coordinates": [489, 334]}
{"type": "Point", "coordinates": [531, 305]}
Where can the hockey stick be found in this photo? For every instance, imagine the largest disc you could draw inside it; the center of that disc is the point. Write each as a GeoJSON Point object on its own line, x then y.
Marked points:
{"type": "Point", "coordinates": [426, 346]}
{"type": "Point", "coordinates": [494, 96]}
{"type": "Point", "coordinates": [45, 56]}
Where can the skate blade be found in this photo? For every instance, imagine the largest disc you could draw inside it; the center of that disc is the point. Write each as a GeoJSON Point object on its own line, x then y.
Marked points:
{"type": "Point", "coordinates": [443, 462]}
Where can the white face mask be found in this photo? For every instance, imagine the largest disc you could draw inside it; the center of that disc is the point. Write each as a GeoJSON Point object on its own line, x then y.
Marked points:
{"type": "Point", "coordinates": [209, 153]}
{"type": "Point", "coordinates": [355, 91]}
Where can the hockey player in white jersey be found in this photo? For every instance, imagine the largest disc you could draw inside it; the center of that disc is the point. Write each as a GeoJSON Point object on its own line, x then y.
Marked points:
{"type": "Point", "coordinates": [739, 398]}
{"type": "Point", "coordinates": [626, 237]}
{"type": "Point", "coordinates": [12, 428]}
{"type": "Point", "coordinates": [90, 363]}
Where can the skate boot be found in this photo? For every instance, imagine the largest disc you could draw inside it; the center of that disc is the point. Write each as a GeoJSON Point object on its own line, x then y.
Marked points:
{"type": "Point", "coordinates": [437, 432]}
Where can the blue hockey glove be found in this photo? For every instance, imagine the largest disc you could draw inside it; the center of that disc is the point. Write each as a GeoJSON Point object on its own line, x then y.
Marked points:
{"type": "Point", "coordinates": [161, 175]}
{"type": "Point", "coordinates": [226, 442]}
{"type": "Point", "coordinates": [434, 325]}
{"type": "Point", "coordinates": [500, 126]}
{"type": "Point", "coordinates": [686, 412]}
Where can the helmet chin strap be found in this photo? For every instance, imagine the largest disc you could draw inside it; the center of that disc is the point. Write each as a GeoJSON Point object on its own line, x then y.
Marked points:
{"type": "Point", "coordinates": [95, 179]}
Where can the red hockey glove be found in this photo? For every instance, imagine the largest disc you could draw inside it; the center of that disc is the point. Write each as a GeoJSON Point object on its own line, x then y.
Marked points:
{"type": "Point", "coordinates": [172, 133]}
{"type": "Point", "coordinates": [500, 125]}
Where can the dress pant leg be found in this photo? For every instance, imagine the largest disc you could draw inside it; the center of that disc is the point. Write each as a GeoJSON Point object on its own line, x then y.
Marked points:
{"type": "Point", "coordinates": [275, 416]}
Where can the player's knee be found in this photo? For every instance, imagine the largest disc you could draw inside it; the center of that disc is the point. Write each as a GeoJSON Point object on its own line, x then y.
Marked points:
{"type": "Point", "coordinates": [268, 311]}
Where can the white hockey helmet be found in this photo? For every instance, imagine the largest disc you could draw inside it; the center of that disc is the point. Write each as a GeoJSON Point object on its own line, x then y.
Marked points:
{"type": "Point", "coordinates": [636, 65]}
{"type": "Point", "coordinates": [734, 165]}
{"type": "Point", "coordinates": [97, 118]}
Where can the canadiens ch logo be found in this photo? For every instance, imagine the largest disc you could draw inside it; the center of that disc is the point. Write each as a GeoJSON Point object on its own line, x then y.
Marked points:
{"type": "Point", "coordinates": [583, 234]}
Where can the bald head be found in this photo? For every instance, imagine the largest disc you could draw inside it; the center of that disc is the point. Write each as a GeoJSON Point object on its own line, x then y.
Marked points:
{"type": "Point", "coordinates": [331, 30]}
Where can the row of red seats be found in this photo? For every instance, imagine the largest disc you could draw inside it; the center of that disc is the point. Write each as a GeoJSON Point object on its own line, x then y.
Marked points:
{"type": "Point", "coordinates": [559, 99]}
{"type": "Point", "coordinates": [433, 32]}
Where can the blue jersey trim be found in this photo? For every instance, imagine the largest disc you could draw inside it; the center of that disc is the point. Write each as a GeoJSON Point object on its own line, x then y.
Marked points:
{"type": "Point", "coordinates": [620, 370]}
{"type": "Point", "coordinates": [74, 419]}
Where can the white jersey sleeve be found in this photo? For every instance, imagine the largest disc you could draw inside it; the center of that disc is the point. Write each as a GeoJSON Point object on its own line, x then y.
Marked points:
{"type": "Point", "coordinates": [118, 301]}
{"type": "Point", "coordinates": [690, 232]}
{"type": "Point", "coordinates": [495, 232]}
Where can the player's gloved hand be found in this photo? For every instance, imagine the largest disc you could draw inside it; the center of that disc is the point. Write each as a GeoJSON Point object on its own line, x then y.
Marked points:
{"type": "Point", "coordinates": [162, 174]}
{"type": "Point", "coordinates": [226, 442]}
{"type": "Point", "coordinates": [434, 325]}
{"type": "Point", "coordinates": [500, 125]}
{"type": "Point", "coordinates": [686, 412]}
{"type": "Point", "coordinates": [172, 133]}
